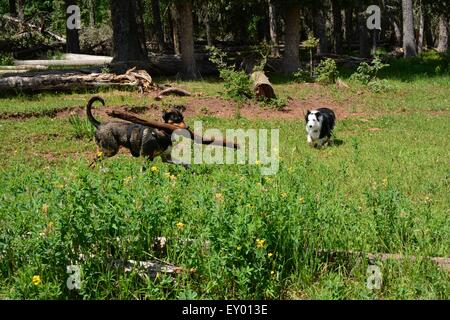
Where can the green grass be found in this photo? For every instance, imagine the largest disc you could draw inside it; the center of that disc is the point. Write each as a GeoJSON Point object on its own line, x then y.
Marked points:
{"type": "Point", "coordinates": [383, 189]}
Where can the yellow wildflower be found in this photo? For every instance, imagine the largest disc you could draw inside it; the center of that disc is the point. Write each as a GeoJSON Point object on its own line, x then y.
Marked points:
{"type": "Point", "coordinates": [258, 163]}
{"type": "Point", "coordinates": [260, 243]}
{"type": "Point", "coordinates": [270, 254]}
{"type": "Point", "coordinates": [45, 208]}
{"type": "Point", "coordinates": [154, 169]}
{"type": "Point", "coordinates": [127, 180]}
{"type": "Point", "coordinates": [238, 248]}
{"type": "Point", "coordinates": [301, 200]}
{"type": "Point", "coordinates": [284, 195]}
{"type": "Point", "coordinates": [180, 225]}
{"type": "Point", "coordinates": [36, 280]}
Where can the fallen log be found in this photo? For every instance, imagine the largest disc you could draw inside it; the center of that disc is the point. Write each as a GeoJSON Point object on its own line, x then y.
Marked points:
{"type": "Point", "coordinates": [170, 129]}
{"type": "Point", "coordinates": [262, 86]}
{"type": "Point", "coordinates": [175, 91]}
{"type": "Point", "coordinates": [69, 60]}
{"type": "Point", "coordinates": [140, 80]}
{"type": "Point", "coordinates": [441, 262]}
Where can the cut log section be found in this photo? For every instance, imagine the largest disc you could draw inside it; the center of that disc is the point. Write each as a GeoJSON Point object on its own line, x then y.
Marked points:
{"type": "Point", "coordinates": [170, 129]}
{"type": "Point", "coordinates": [262, 86]}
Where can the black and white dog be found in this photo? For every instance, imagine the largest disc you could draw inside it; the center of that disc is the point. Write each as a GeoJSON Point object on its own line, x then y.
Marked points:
{"type": "Point", "coordinates": [319, 126]}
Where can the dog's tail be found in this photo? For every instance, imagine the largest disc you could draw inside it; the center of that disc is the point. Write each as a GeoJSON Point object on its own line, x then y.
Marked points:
{"type": "Point", "coordinates": [91, 118]}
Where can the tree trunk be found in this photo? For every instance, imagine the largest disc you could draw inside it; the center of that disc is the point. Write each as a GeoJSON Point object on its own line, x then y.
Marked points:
{"type": "Point", "coordinates": [209, 36]}
{"type": "Point", "coordinates": [348, 27]}
{"type": "Point", "coordinates": [128, 47]}
{"type": "Point", "coordinates": [421, 29]}
{"type": "Point", "coordinates": [139, 9]}
{"type": "Point", "coordinates": [409, 41]}
{"type": "Point", "coordinates": [320, 29]}
{"type": "Point", "coordinates": [397, 32]}
{"type": "Point", "coordinates": [175, 28]}
{"type": "Point", "coordinates": [273, 28]}
{"type": "Point", "coordinates": [337, 26]}
{"type": "Point", "coordinates": [157, 25]}
{"type": "Point", "coordinates": [364, 50]}
{"type": "Point", "coordinates": [72, 35]}
{"type": "Point", "coordinates": [12, 8]}
{"type": "Point", "coordinates": [20, 9]}
{"type": "Point", "coordinates": [21, 14]}
{"type": "Point", "coordinates": [443, 34]}
{"type": "Point", "coordinates": [291, 60]}
{"type": "Point", "coordinates": [428, 30]}
{"type": "Point", "coordinates": [92, 15]}
{"type": "Point", "coordinates": [187, 39]}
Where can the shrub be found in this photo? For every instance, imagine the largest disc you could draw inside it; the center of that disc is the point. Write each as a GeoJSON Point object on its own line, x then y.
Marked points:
{"type": "Point", "coordinates": [378, 85]}
{"type": "Point", "coordinates": [6, 59]}
{"type": "Point", "coordinates": [367, 73]}
{"type": "Point", "coordinates": [302, 76]}
{"type": "Point", "coordinates": [327, 72]}
{"type": "Point", "coordinates": [277, 103]}
{"type": "Point", "coordinates": [237, 83]}
{"type": "Point", "coordinates": [311, 43]}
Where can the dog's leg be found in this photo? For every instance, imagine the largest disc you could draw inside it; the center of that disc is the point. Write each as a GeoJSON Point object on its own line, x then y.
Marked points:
{"type": "Point", "coordinates": [310, 140]}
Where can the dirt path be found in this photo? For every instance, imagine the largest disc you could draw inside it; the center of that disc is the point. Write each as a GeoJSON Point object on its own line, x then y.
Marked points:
{"type": "Point", "coordinates": [207, 106]}
{"type": "Point", "coordinates": [198, 106]}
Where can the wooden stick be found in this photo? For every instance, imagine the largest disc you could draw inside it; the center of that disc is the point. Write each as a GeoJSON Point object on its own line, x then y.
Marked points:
{"type": "Point", "coordinates": [170, 129]}
{"type": "Point", "coordinates": [176, 91]}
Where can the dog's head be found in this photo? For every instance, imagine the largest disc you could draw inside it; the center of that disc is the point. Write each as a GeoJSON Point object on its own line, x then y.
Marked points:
{"type": "Point", "coordinates": [313, 121]}
{"type": "Point", "coordinates": [175, 117]}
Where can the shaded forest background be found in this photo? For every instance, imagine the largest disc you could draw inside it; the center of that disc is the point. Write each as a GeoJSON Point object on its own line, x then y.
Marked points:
{"type": "Point", "coordinates": [145, 31]}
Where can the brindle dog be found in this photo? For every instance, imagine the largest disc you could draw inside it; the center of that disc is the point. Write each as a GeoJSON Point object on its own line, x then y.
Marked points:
{"type": "Point", "coordinates": [140, 140]}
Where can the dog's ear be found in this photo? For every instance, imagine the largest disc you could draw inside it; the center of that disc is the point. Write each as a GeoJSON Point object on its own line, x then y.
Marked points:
{"type": "Point", "coordinates": [306, 114]}
{"type": "Point", "coordinates": [181, 108]}
{"type": "Point", "coordinates": [318, 115]}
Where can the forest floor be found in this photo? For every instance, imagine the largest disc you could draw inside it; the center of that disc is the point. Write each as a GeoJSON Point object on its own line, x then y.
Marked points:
{"type": "Point", "coordinates": [383, 189]}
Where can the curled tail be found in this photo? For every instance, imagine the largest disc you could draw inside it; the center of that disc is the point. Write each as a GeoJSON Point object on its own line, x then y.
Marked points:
{"type": "Point", "coordinates": [91, 118]}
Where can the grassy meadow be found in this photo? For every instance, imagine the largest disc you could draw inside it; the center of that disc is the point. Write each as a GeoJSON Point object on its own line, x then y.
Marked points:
{"type": "Point", "coordinates": [383, 189]}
